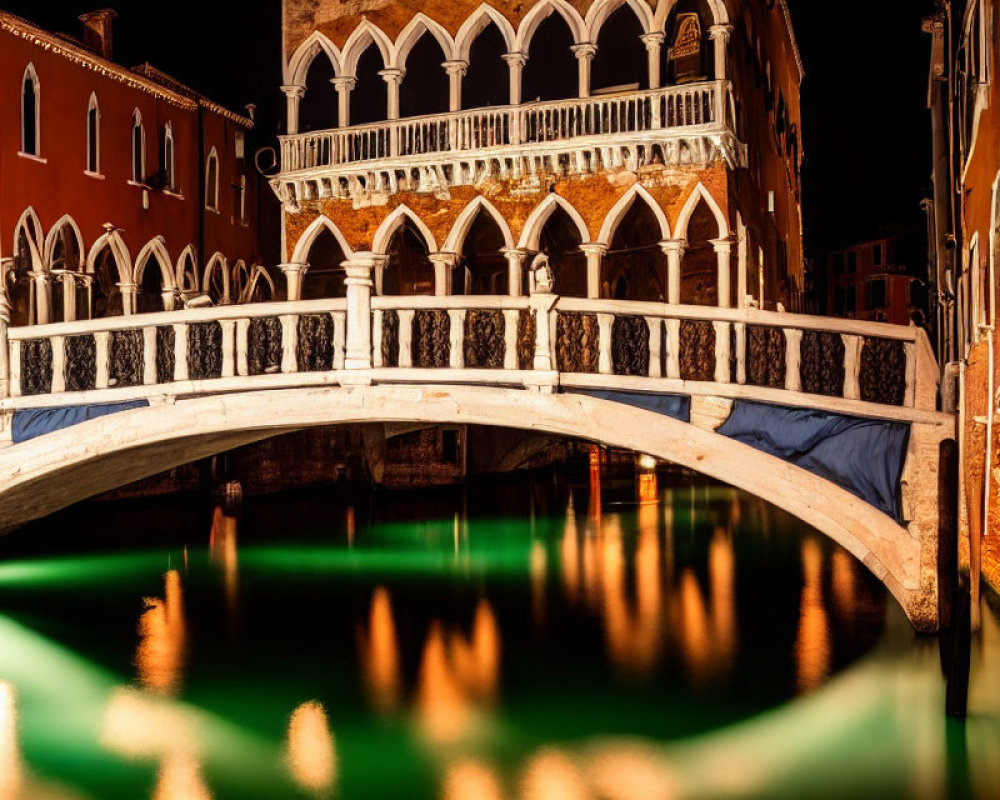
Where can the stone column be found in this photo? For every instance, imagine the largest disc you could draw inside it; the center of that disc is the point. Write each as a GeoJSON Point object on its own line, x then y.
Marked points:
{"type": "Point", "coordinates": [515, 63]}
{"type": "Point", "coordinates": [515, 269]}
{"type": "Point", "coordinates": [381, 262]}
{"type": "Point", "coordinates": [344, 85]}
{"type": "Point", "coordinates": [584, 52]}
{"type": "Point", "coordinates": [293, 95]}
{"type": "Point", "coordinates": [69, 296]}
{"type": "Point", "coordinates": [444, 264]}
{"type": "Point", "coordinates": [294, 274]}
{"type": "Point", "coordinates": [129, 291]}
{"type": "Point", "coordinates": [4, 343]}
{"type": "Point", "coordinates": [653, 42]}
{"type": "Point", "coordinates": [43, 302]}
{"type": "Point", "coordinates": [169, 299]}
{"type": "Point", "coordinates": [720, 34]}
{"type": "Point", "coordinates": [393, 77]}
{"type": "Point", "coordinates": [674, 250]}
{"type": "Point", "coordinates": [359, 311]}
{"type": "Point", "coordinates": [456, 71]}
{"type": "Point", "coordinates": [594, 251]}
{"type": "Point", "coordinates": [723, 253]}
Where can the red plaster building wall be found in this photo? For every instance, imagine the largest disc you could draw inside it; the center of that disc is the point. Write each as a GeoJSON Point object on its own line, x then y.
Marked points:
{"type": "Point", "coordinates": [55, 182]}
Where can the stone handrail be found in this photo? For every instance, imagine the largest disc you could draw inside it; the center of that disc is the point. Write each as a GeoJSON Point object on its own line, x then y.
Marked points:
{"type": "Point", "coordinates": [689, 106]}
{"type": "Point", "coordinates": [541, 342]}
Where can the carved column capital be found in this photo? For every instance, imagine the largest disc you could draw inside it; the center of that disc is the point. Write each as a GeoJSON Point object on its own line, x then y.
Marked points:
{"type": "Point", "coordinates": [293, 91]}
{"type": "Point", "coordinates": [515, 59]}
{"type": "Point", "coordinates": [584, 50]}
{"type": "Point", "coordinates": [456, 67]}
{"type": "Point", "coordinates": [593, 249]}
{"type": "Point", "coordinates": [653, 40]}
{"type": "Point", "coordinates": [344, 83]}
{"type": "Point", "coordinates": [392, 75]}
{"type": "Point", "coordinates": [723, 32]}
{"type": "Point", "coordinates": [674, 246]}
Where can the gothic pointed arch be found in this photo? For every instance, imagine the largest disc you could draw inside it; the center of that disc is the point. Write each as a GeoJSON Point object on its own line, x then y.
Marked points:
{"type": "Point", "coordinates": [535, 222]}
{"type": "Point", "coordinates": [186, 275]}
{"type": "Point", "coordinates": [153, 276]}
{"type": "Point", "coordinates": [31, 112]}
{"type": "Point", "coordinates": [540, 12]}
{"type": "Point", "coordinates": [110, 265]}
{"type": "Point", "coordinates": [317, 45]}
{"type": "Point", "coordinates": [65, 242]}
{"type": "Point", "coordinates": [638, 193]}
{"type": "Point", "coordinates": [324, 248]}
{"type": "Point", "coordinates": [31, 226]}
{"type": "Point", "coordinates": [599, 12]}
{"type": "Point", "coordinates": [316, 227]}
{"type": "Point", "coordinates": [719, 12]}
{"type": "Point", "coordinates": [215, 282]}
{"type": "Point", "coordinates": [698, 195]}
{"type": "Point", "coordinates": [419, 26]}
{"type": "Point", "coordinates": [396, 219]}
{"type": "Point", "coordinates": [363, 36]}
{"type": "Point", "coordinates": [27, 261]}
{"type": "Point", "coordinates": [466, 219]}
{"type": "Point", "coordinates": [477, 22]}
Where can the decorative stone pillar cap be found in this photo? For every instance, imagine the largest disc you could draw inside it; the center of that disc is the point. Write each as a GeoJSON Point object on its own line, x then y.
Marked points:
{"type": "Point", "coordinates": [514, 252]}
{"type": "Point", "coordinates": [594, 247]}
{"type": "Point", "coordinates": [584, 50]}
{"type": "Point", "coordinates": [517, 58]}
{"type": "Point", "coordinates": [723, 32]}
{"type": "Point", "coordinates": [448, 259]}
{"type": "Point", "coordinates": [293, 90]}
{"type": "Point", "coordinates": [456, 65]}
{"type": "Point", "coordinates": [392, 74]}
{"type": "Point", "coordinates": [674, 246]}
{"type": "Point", "coordinates": [653, 39]}
{"type": "Point", "coordinates": [344, 82]}
{"type": "Point", "coordinates": [294, 266]}
{"type": "Point", "coordinates": [721, 245]}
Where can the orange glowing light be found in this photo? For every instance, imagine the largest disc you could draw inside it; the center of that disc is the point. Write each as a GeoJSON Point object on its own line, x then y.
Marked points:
{"type": "Point", "coordinates": [11, 766]}
{"type": "Point", "coordinates": [444, 712]}
{"type": "Point", "coordinates": [470, 779]}
{"type": "Point", "coordinates": [695, 639]}
{"type": "Point", "coordinates": [381, 658]}
{"type": "Point", "coordinates": [812, 645]}
{"type": "Point", "coordinates": [311, 750]}
{"type": "Point", "coordinates": [553, 775]}
{"type": "Point", "coordinates": [163, 639]}
{"type": "Point", "coordinates": [648, 488]}
{"type": "Point", "coordinates": [180, 779]}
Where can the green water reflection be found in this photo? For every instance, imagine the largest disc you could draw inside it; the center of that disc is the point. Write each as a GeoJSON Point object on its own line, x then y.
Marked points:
{"type": "Point", "coordinates": [560, 636]}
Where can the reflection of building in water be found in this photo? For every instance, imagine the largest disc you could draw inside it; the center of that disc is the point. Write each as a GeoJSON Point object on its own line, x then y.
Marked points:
{"type": "Point", "coordinates": [163, 639]}
{"type": "Point", "coordinates": [458, 676]}
{"type": "Point", "coordinates": [223, 545]}
{"type": "Point", "coordinates": [11, 768]}
{"type": "Point", "coordinates": [812, 646]}
{"type": "Point", "coordinates": [469, 779]}
{"type": "Point", "coordinates": [553, 775]}
{"type": "Point", "coordinates": [380, 656]}
{"type": "Point", "coordinates": [311, 750]}
{"type": "Point", "coordinates": [180, 778]}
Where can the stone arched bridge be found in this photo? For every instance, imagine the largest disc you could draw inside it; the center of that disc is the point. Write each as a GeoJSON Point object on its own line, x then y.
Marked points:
{"type": "Point", "coordinates": [831, 420]}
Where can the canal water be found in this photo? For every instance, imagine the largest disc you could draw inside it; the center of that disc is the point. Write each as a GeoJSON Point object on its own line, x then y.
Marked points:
{"type": "Point", "coordinates": [577, 634]}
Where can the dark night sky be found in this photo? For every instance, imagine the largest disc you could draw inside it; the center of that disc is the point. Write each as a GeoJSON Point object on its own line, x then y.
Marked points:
{"type": "Point", "coordinates": [866, 129]}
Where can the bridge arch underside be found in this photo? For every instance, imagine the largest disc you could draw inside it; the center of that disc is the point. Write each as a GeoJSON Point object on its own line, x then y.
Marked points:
{"type": "Point", "coordinates": [55, 471]}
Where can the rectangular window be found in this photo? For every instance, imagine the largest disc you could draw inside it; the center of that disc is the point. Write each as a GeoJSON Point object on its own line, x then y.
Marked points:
{"type": "Point", "coordinates": [852, 300]}
{"type": "Point", "coordinates": [876, 294]}
{"type": "Point", "coordinates": [877, 255]}
{"type": "Point", "coordinates": [852, 261]}
{"type": "Point", "coordinates": [838, 263]}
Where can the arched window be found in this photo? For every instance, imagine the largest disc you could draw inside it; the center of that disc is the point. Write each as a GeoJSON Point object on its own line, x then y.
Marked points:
{"type": "Point", "coordinates": [370, 97]}
{"type": "Point", "coordinates": [425, 85]}
{"type": "Point", "coordinates": [560, 241]}
{"type": "Point", "coordinates": [325, 277]}
{"type": "Point", "coordinates": [167, 158]}
{"type": "Point", "coordinates": [318, 106]}
{"type": "Point", "coordinates": [20, 284]}
{"type": "Point", "coordinates": [212, 181]}
{"type": "Point", "coordinates": [93, 136]}
{"type": "Point", "coordinates": [699, 269]}
{"type": "Point", "coordinates": [106, 297]}
{"type": "Point", "coordinates": [138, 148]}
{"type": "Point", "coordinates": [30, 112]}
{"type": "Point", "coordinates": [151, 287]}
{"type": "Point", "coordinates": [409, 271]}
{"type": "Point", "coordinates": [551, 72]}
{"type": "Point", "coordinates": [635, 268]}
{"type": "Point", "coordinates": [483, 267]}
{"type": "Point", "coordinates": [487, 81]}
{"type": "Point", "coordinates": [66, 261]}
{"type": "Point", "coordinates": [687, 55]}
{"type": "Point", "coordinates": [621, 61]}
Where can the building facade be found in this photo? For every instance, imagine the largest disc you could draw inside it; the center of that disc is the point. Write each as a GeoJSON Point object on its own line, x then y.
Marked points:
{"type": "Point", "coordinates": [964, 236]}
{"type": "Point", "coordinates": [648, 150]}
{"type": "Point", "coordinates": [121, 191]}
{"type": "Point", "coordinates": [877, 281]}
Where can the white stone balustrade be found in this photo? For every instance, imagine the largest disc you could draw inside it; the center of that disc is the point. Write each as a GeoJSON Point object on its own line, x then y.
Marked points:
{"type": "Point", "coordinates": [36, 359]}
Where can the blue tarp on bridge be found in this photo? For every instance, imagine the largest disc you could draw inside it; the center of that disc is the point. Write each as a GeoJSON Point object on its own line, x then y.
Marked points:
{"type": "Point", "coordinates": [30, 423]}
{"type": "Point", "coordinates": [863, 456]}
{"type": "Point", "coordinates": [677, 406]}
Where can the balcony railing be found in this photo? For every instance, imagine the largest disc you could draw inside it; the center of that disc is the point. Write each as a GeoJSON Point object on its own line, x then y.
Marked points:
{"type": "Point", "coordinates": [680, 107]}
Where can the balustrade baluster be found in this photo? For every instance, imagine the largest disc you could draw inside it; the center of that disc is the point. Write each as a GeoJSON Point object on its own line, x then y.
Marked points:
{"type": "Point", "coordinates": [723, 349]}
{"type": "Point", "coordinates": [378, 360]}
{"type": "Point", "coordinates": [339, 339]}
{"type": "Point", "coordinates": [910, 394]}
{"type": "Point", "coordinates": [674, 348]}
{"type": "Point", "coordinates": [242, 346]}
{"type": "Point", "coordinates": [852, 366]}
{"type": "Point", "coordinates": [511, 317]}
{"type": "Point", "coordinates": [58, 364]}
{"type": "Point", "coordinates": [14, 362]}
{"type": "Point", "coordinates": [228, 347]}
{"type": "Point", "coordinates": [149, 356]}
{"type": "Point", "coordinates": [102, 342]}
{"type": "Point", "coordinates": [289, 343]}
{"type": "Point", "coordinates": [793, 359]}
{"type": "Point", "coordinates": [456, 357]}
{"type": "Point", "coordinates": [405, 359]}
{"type": "Point", "coordinates": [655, 325]}
{"type": "Point", "coordinates": [605, 363]}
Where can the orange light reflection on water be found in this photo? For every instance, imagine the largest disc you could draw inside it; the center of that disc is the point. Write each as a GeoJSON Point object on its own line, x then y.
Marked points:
{"type": "Point", "coordinates": [11, 766]}
{"type": "Point", "coordinates": [311, 748]}
{"type": "Point", "coordinates": [163, 639]}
